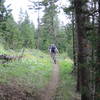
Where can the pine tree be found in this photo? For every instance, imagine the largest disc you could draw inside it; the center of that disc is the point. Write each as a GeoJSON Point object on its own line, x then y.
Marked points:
{"type": "Point", "coordinates": [49, 27]}
{"type": "Point", "coordinates": [27, 32]}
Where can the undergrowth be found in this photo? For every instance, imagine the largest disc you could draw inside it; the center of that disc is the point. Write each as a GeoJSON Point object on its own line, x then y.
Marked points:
{"type": "Point", "coordinates": [34, 69]}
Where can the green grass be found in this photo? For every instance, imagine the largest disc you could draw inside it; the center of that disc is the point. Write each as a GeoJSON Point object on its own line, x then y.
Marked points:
{"type": "Point", "coordinates": [33, 69]}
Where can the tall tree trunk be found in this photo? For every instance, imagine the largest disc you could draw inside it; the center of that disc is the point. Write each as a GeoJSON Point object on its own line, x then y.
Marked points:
{"type": "Point", "coordinates": [75, 53]}
{"type": "Point", "coordinates": [82, 49]}
{"type": "Point", "coordinates": [97, 81]}
{"type": "Point", "coordinates": [74, 42]}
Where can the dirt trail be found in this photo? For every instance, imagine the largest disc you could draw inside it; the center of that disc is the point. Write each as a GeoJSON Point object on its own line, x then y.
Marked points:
{"type": "Point", "coordinates": [49, 91]}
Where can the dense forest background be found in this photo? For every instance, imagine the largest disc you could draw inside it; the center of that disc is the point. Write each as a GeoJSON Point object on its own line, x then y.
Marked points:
{"type": "Point", "coordinates": [24, 35]}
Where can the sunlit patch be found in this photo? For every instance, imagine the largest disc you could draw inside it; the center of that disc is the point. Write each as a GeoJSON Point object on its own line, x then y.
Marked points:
{"type": "Point", "coordinates": [68, 60]}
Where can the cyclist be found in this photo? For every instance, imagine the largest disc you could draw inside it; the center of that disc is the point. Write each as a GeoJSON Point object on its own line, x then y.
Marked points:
{"type": "Point", "coordinates": [53, 50]}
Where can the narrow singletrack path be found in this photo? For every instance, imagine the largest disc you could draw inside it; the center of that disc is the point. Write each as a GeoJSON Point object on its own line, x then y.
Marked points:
{"type": "Point", "coordinates": [49, 91]}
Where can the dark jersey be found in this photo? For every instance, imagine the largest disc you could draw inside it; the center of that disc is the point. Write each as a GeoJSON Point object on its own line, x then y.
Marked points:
{"type": "Point", "coordinates": [53, 49]}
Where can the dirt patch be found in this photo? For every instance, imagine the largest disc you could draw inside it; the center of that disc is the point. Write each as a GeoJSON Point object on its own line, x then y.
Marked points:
{"type": "Point", "coordinates": [14, 92]}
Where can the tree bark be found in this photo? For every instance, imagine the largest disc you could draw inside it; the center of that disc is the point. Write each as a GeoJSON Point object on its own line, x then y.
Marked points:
{"type": "Point", "coordinates": [82, 49]}
{"type": "Point", "coordinates": [97, 77]}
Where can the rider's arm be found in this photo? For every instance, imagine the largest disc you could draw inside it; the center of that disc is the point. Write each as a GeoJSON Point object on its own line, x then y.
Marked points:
{"type": "Point", "coordinates": [49, 49]}
{"type": "Point", "coordinates": [57, 50]}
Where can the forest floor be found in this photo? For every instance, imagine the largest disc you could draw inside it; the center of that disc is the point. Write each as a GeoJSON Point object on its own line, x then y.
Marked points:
{"type": "Point", "coordinates": [15, 92]}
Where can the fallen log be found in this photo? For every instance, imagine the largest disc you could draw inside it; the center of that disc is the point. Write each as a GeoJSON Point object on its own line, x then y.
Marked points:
{"type": "Point", "coordinates": [9, 58]}
{"type": "Point", "coordinates": [6, 58]}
